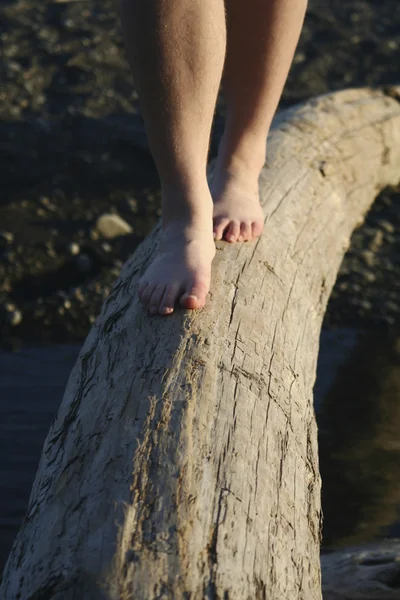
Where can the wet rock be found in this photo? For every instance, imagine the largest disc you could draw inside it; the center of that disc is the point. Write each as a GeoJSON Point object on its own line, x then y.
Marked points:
{"type": "Point", "coordinates": [110, 226]}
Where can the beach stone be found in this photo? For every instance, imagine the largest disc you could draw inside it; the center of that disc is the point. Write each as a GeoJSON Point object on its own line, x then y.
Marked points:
{"type": "Point", "coordinates": [392, 306]}
{"type": "Point", "coordinates": [12, 315]}
{"type": "Point", "coordinates": [366, 304]}
{"type": "Point", "coordinates": [6, 238]}
{"type": "Point", "coordinates": [132, 205]}
{"type": "Point", "coordinates": [110, 226]}
{"type": "Point", "coordinates": [386, 226]}
{"type": "Point", "coordinates": [106, 247]}
{"type": "Point", "coordinates": [73, 249]}
{"type": "Point", "coordinates": [377, 241]}
{"type": "Point", "coordinates": [84, 263]}
{"type": "Point", "coordinates": [369, 276]}
{"type": "Point", "coordinates": [368, 257]}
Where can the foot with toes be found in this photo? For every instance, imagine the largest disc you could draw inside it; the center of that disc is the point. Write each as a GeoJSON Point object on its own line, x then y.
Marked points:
{"type": "Point", "coordinates": [181, 271]}
{"type": "Point", "coordinates": [238, 216]}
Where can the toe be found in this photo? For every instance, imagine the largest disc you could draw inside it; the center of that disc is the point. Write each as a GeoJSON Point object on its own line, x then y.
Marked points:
{"type": "Point", "coordinates": [245, 232]}
{"type": "Point", "coordinates": [232, 231]}
{"type": "Point", "coordinates": [195, 296]}
{"type": "Point", "coordinates": [169, 299]}
{"type": "Point", "coordinates": [156, 297]}
{"type": "Point", "coordinates": [256, 229]}
{"type": "Point", "coordinates": [219, 227]}
{"type": "Point", "coordinates": [147, 292]}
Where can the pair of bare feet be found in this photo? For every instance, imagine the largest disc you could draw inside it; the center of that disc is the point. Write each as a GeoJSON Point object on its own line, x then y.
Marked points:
{"type": "Point", "coordinates": [181, 272]}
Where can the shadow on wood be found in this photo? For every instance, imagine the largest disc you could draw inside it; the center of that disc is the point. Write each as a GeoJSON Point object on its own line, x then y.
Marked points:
{"type": "Point", "coordinates": [183, 459]}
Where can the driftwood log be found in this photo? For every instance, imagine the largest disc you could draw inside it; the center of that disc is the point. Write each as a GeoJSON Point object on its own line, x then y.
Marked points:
{"type": "Point", "coordinates": [369, 572]}
{"type": "Point", "coordinates": [183, 460]}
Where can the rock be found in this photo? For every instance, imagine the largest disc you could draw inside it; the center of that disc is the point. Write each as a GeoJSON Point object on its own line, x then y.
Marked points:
{"type": "Point", "coordinates": [392, 307]}
{"type": "Point", "coordinates": [84, 263]}
{"type": "Point", "coordinates": [377, 240]}
{"type": "Point", "coordinates": [73, 249]}
{"type": "Point", "coordinates": [386, 226]}
{"type": "Point", "coordinates": [132, 204]}
{"type": "Point", "coordinates": [366, 304]}
{"type": "Point", "coordinates": [6, 238]}
{"type": "Point", "coordinates": [12, 315]}
{"type": "Point", "coordinates": [368, 257]}
{"type": "Point", "coordinates": [369, 276]}
{"type": "Point", "coordinates": [106, 247]}
{"type": "Point", "coordinates": [8, 256]}
{"type": "Point", "coordinates": [110, 226]}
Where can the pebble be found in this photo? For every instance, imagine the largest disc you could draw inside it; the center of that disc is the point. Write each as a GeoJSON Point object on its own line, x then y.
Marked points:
{"type": "Point", "coordinates": [377, 241]}
{"type": "Point", "coordinates": [386, 226]}
{"type": "Point", "coordinates": [8, 256]}
{"type": "Point", "coordinates": [84, 263]}
{"type": "Point", "coordinates": [369, 257]}
{"type": "Point", "coordinates": [78, 294]}
{"type": "Point", "coordinates": [366, 304]}
{"type": "Point", "coordinates": [110, 226]}
{"type": "Point", "coordinates": [392, 306]}
{"type": "Point", "coordinates": [132, 204]}
{"type": "Point", "coordinates": [73, 249]}
{"type": "Point", "coordinates": [6, 238]}
{"type": "Point", "coordinates": [369, 276]}
{"type": "Point", "coordinates": [106, 247]}
{"type": "Point", "coordinates": [13, 315]}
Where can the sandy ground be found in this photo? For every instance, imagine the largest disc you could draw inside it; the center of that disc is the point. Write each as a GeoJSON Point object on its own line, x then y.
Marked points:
{"type": "Point", "coordinates": [72, 147]}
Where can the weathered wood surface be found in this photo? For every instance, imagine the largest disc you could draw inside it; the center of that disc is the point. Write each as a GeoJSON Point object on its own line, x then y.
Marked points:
{"type": "Point", "coordinates": [183, 460]}
{"type": "Point", "coordinates": [370, 572]}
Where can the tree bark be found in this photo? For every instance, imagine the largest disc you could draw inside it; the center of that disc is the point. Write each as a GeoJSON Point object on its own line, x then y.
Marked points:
{"type": "Point", "coordinates": [183, 460]}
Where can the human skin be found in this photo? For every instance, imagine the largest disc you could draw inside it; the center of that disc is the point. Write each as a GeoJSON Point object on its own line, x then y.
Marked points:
{"type": "Point", "coordinates": [179, 51]}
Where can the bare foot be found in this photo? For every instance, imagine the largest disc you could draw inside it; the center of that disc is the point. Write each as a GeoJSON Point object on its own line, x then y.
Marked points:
{"type": "Point", "coordinates": [182, 269]}
{"type": "Point", "coordinates": [238, 216]}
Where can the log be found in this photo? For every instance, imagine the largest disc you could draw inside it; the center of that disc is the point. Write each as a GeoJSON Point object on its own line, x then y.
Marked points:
{"type": "Point", "coordinates": [183, 460]}
{"type": "Point", "coordinates": [369, 572]}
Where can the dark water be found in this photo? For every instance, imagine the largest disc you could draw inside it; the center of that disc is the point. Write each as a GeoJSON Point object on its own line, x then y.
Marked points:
{"type": "Point", "coordinates": [357, 400]}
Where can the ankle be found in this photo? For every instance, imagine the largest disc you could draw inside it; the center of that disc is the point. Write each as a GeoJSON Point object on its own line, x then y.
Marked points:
{"type": "Point", "coordinates": [186, 207]}
{"type": "Point", "coordinates": [242, 156]}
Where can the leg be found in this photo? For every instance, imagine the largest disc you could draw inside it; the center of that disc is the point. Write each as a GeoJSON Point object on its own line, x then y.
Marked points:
{"type": "Point", "coordinates": [176, 50]}
{"type": "Point", "coordinates": [262, 37]}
